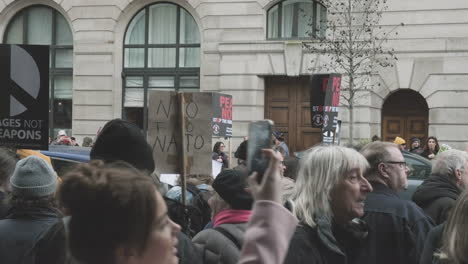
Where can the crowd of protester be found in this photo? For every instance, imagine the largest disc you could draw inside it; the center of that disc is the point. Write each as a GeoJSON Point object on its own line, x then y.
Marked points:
{"type": "Point", "coordinates": [333, 205]}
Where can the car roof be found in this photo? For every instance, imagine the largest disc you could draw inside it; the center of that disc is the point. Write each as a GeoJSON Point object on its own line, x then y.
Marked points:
{"type": "Point", "coordinates": [77, 154]}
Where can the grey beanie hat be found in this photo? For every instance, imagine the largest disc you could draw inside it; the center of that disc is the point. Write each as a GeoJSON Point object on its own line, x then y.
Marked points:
{"type": "Point", "coordinates": [33, 178]}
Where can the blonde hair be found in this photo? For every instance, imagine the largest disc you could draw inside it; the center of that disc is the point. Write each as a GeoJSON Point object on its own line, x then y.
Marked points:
{"type": "Point", "coordinates": [320, 170]}
{"type": "Point", "coordinates": [455, 239]}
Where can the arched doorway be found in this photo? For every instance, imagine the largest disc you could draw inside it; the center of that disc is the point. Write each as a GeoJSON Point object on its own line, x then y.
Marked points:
{"type": "Point", "coordinates": [405, 114]}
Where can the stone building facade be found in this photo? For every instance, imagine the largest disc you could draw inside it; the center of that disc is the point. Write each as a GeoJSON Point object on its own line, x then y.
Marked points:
{"type": "Point", "coordinates": [237, 56]}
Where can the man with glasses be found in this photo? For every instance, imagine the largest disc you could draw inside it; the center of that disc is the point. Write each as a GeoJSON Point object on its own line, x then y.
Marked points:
{"type": "Point", "coordinates": [397, 227]}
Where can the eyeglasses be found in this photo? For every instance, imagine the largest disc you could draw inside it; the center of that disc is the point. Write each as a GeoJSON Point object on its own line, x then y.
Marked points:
{"type": "Point", "coordinates": [221, 146]}
{"type": "Point", "coordinates": [401, 163]}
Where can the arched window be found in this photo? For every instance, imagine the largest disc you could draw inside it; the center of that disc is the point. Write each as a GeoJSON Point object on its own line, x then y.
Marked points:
{"type": "Point", "coordinates": [43, 25]}
{"type": "Point", "coordinates": [296, 19]}
{"type": "Point", "coordinates": [161, 52]}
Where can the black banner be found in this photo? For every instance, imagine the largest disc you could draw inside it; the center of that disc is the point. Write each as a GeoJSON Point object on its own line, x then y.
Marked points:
{"type": "Point", "coordinates": [24, 96]}
{"type": "Point", "coordinates": [222, 115]}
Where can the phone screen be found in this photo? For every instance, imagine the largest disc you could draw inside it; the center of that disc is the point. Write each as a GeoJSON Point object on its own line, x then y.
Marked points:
{"type": "Point", "coordinates": [260, 137]}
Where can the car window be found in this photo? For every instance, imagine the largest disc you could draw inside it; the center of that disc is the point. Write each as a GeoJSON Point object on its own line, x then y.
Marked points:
{"type": "Point", "coordinates": [419, 170]}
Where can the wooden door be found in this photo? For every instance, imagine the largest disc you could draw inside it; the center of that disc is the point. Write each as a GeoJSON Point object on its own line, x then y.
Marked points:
{"type": "Point", "coordinates": [405, 114]}
{"type": "Point", "coordinates": [287, 103]}
{"type": "Point", "coordinates": [405, 127]}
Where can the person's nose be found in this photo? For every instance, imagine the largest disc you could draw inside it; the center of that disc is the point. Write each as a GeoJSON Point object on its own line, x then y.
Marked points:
{"type": "Point", "coordinates": [175, 227]}
{"type": "Point", "coordinates": [365, 185]}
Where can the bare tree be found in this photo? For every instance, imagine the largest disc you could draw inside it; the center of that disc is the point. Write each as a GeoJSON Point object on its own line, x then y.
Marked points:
{"type": "Point", "coordinates": [350, 40]}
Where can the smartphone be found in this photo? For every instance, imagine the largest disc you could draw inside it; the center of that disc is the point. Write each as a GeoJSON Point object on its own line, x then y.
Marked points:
{"type": "Point", "coordinates": [260, 137]}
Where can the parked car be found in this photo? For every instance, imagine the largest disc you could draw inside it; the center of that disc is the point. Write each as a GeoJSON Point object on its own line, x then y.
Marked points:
{"type": "Point", "coordinates": [420, 169]}
{"type": "Point", "coordinates": [65, 157]}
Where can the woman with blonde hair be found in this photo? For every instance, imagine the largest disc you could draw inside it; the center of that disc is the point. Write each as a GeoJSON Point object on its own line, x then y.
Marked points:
{"type": "Point", "coordinates": [330, 192]}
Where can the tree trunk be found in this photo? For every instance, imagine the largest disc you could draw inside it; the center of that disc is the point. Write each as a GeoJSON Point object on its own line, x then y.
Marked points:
{"type": "Point", "coordinates": [351, 124]}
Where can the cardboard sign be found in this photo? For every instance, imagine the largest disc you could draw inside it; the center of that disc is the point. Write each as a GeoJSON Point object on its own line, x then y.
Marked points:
{"type": "Point", "coordinates": [164, 131]}
{"type": "Point", "coordinates": [197, 118]}
{"type": "Point", "coordinates": [24, 96]}
{"type": "Point", "coordinates": [167, 139]}
{"type": "Point", "coordinates": [222, 115]}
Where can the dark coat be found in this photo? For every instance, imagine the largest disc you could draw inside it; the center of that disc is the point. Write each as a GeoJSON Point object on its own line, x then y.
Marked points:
{"type": "Point", "coordinates": [323, 244]}
{"type": "Point", "coordinates": [433, 243]}
{"type": "Point", "coordinates": [3, 205]}
{"type": "Point", "coordinates": [186, 250]}
{"type": "Point", "coordinates": [223, 156]}
{"type": "Point", "coordinates": [436, 196]}
{"type": "Point", "coordinates": [397, 228]}
{"type": "Point", "coordinates": [32, 236]}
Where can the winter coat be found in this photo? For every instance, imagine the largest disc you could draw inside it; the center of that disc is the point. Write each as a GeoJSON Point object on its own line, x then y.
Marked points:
{"type": "Point", "coordinates": [267, 237]}
{"type": "Point", "coordinates": [216, 248]}
{"type": "Point", "coordinates": [397, 228]}
{"type": "Point", "coordinates": [3, 205]}
{"type": "Point", "coordinates": [433, 243]}
{"type": "Point", "coordinates": [436, 196]}
{"type": "Point", "coordinates": [186, 250]}
{"type": "Point", "coordinates": [32, 236]}
{"type": "Point", "coordinates": [223, 156]}
{"type": "Point", "coordinates": [324, 244]}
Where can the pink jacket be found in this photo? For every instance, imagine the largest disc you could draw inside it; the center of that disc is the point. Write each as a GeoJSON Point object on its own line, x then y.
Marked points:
{"type": "Point", "coordinates": [270, 229]}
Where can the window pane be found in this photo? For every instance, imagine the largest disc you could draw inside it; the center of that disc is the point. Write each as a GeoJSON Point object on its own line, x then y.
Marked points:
{"type": "Point", "coordinates": [63, 87]}
{"type": "Point", "coordinates": [189, 81]}
{"type": "Point", "coordinates": [40, 25]}
{"type": "Point", "coordinates": [63, 33]}
{"type": "Point", "coordinates": [134, 81]}
{"type": "Point", "coordinates": [162, 58]}
{"type": "Point", "coordinates": [304, 20]}
{"type": "Point", "coordinates": [133, 97]}
{"type": "Point", "coordinates": [162, 24]}
{"type": "Point", "coordinates": [273, 22]}
{"type": "Point", "coordinates": [15, 31]}
{"type": "Point", "coordinates": [62, 113]}
{"type": "Point", "coordinates": [134, 58]}
{"type": "Point", "coordinates": [136, 30]}
{"type": "Point", "coordinates": [189, 33]}
{"type": "Point", "coordinates": [321, 21]}
{"type": "Point", "coordinates": [189, 57]}
{"type": "Point", "coordinates": [63, 58]}
{"type": "Point", "coordinates": [161, 81]}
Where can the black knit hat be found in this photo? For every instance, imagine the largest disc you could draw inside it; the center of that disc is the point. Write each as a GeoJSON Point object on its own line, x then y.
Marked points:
{"type": "Point", "coordinates": [230, 185]}
{"type": "Point", "coordinates": [414, 139]}
{"type": "Point", "coordinates": [122, 140]}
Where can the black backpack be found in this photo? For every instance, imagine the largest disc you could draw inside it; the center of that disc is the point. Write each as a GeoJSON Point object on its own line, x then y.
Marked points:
{"type": "Point", "coordinates": [191, 218]}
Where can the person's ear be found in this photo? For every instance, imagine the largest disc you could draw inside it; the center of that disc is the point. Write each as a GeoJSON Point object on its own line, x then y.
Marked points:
{"type": "Point", "coordinates": [458, 174]}
{"type": "Point", "coordinates": [382, 169]}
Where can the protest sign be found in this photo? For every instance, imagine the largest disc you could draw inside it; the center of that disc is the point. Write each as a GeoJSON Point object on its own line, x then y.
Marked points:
{"type": "Point", "coordinates": [324, 100]}
{"type": "Point", "coordinates": [179, 130]}
{"type": "Point", "coordinates": [222, 115]}
{"type": "Point", "coordinates": [24, 97]}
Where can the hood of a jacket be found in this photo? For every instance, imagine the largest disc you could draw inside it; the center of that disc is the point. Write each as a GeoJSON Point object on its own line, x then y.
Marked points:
{"type": "Point", "coordinates": [433, 188]}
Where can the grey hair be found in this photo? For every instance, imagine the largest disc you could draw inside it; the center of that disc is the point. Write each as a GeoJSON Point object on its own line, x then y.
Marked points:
{"type": "Point", "coordinates": [320, 170]}
{"type": "Point", "coordinates": [375, 153]}
{"type": "Point", "coordinates": [448, 161]}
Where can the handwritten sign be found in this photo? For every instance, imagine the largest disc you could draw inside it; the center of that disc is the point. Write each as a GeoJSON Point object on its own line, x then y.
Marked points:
{"type": "Point", "coordinates": [163, 130]}
{"type": "Point", "coordinates": [166, 137]}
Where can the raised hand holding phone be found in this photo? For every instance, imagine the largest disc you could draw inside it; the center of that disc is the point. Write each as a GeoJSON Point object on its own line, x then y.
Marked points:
{"type": "Point", "coordinates": [260, 137]}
